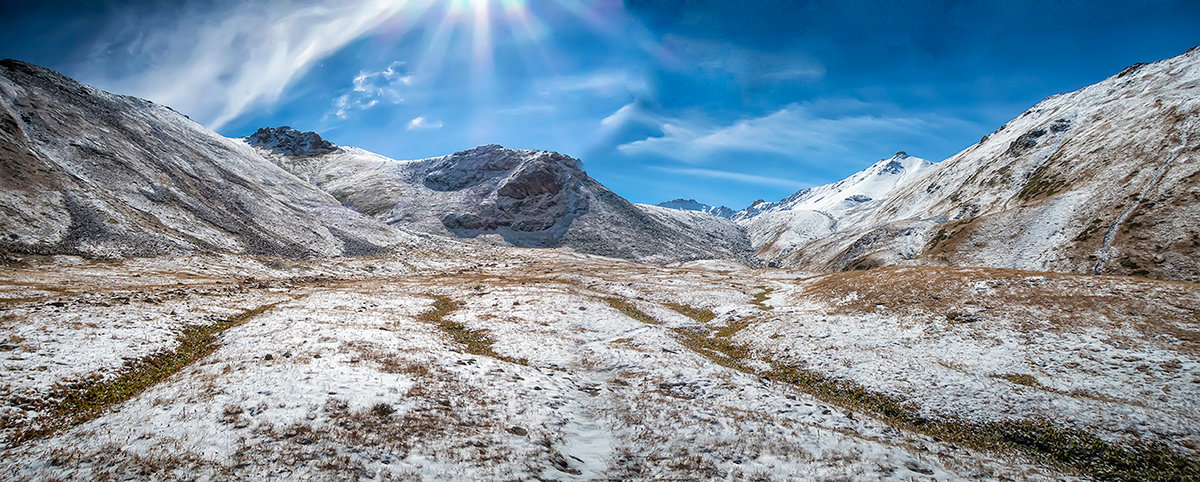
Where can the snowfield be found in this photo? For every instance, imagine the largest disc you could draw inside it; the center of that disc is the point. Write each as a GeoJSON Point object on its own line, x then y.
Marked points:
{"type": "Point", "coordinates": [520, 364]}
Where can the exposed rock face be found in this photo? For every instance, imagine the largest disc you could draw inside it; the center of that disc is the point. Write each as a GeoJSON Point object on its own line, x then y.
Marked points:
{"type": "Point", "coordinates": [521, 191]}
{"type": "Point", "coordinates": [519, 197]}
{"type": "Point", "coordinates": [289, 141]}
{"type": "Point", "coordinates": [91, 173]}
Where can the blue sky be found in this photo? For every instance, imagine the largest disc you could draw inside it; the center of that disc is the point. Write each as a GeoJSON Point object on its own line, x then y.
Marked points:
{"type": "Point", "coordinates": [724, 102]}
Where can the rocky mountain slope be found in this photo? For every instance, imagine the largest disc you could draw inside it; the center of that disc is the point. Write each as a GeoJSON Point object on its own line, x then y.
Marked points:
{"type": "Point", "coordinates": [92, 173]}
{"type": "Point", "coordinates": [1102, 180]}
{"type": "Point", "coordinates": [505, 196]}
{"type": "Point", "coordinates": [104, 175]}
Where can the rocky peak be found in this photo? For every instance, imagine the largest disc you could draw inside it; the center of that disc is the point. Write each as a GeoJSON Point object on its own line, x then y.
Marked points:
{"type": "Point", "coordinates": [471, 167]}
{"type": "Point", "coordinates": [898, 163]}
{"type": "Point", "coordinates": [290, 142]}
{"type": "Point", "coordinates": [681, 203]}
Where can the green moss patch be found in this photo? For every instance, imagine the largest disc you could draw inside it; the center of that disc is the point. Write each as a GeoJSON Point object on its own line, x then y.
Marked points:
{"type": "Point", "coordinates": [699, 314]}
{"type": "Point", "coordinates": [629, 310]}
{"type": "Point", "coordinates": [760, 299]}
{"type": "Point", "coordinates": [475, 342]}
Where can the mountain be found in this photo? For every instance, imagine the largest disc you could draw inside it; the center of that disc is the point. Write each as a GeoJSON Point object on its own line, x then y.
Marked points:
{"type": "Point", "coordinates": [693, 205]}
{"type": "Point", "coordinates": [102, 175]}
{"type": "Point", "coordinates": [778, 228]}
{"type": "Point", "coordinates": [1102, 180]}
{"type": "Point", "coordinates": [505, 196]}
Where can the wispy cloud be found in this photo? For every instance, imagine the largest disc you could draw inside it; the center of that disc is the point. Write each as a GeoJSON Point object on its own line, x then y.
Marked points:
{"type": "Point", "coordinates": [607, 83]}
{"type": "Point", "coordinates": [371, 88]}
{"type": "Point", "coordinates": [216, 62]}
{"type": "Point", "coordinates": [555, 93]}
{"type": "Point", "coordinates": [791, 132]}
{"type": "Point", "coordinates": [734, 176]}
{"type": "Point", "coordinates": [626, 114]}
{"type": "Point", "coordinates": [422, 123]}
{"type": "Point", "coordinates": [749, 67]}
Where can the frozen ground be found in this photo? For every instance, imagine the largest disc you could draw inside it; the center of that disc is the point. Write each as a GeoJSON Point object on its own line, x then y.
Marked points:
{"type": "Point", "coordinates": [522, 364]}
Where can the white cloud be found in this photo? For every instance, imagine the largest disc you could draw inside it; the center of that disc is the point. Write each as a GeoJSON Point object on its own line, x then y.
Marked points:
{"type": "Point", "coordinates": [216, 62]}
{"type": "Point", "coordinates": [372, 87]}
{"type": "Point", "coordinates": [734, 176]}
{"type": "Point", "coordinates": [421, 122]}
{"type": "Point", "coordinates": [553, 92]}
{"type": "Point", "coordinates": [750, 67]}
{"type": "Point", "coordinates": [609, 83]}
{"type": "Point", "coordinates": [790, 131]}
{"type": "Point", "coordinates": [627, 113]}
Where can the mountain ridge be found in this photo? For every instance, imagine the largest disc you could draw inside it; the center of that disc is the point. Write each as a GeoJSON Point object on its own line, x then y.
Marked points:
{"type": "Point", "coordinates": [694, 205]}
{"type": "Point", "coordinates": [105, 175]}
{"type": "Point", "coordinates": [518, 197]}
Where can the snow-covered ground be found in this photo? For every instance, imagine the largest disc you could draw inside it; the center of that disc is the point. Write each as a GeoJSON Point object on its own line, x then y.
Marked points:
{"type": "Point", "coordinates": [1113, 356]}
{"type": "Point", "coordinates": [348, 376]}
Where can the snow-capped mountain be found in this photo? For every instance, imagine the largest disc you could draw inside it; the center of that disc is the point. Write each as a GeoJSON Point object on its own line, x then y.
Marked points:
{"type": "Point", "coordinates": [506, 196]}
{"type": "Point", "coordinates": [93, 173]}
{"type": "Point", "coordinates": [777, 228]}
{"type": "Point", "coordinates": [693, 205]}
{"type": "Point", "coordinates": [1102, 180]}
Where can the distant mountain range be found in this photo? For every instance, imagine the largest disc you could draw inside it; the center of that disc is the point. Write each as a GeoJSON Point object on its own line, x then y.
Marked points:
{"type": "Point", "coordinates": [1103, 180]}
{"type": "Point", "coordinates": [693, 205]}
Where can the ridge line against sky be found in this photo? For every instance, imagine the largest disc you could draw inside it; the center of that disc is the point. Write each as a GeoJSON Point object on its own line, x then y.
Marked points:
{"type": "Point", "coordinates": [724, 102]}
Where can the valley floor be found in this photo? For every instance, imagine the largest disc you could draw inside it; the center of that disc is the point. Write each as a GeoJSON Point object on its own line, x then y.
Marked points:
{"type": "Point", "coordinates": [544, 364]}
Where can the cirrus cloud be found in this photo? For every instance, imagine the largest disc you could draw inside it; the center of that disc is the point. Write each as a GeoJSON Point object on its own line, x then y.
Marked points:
{"type": "Point", "coordinates": [793, 131]}
{"type": "Point", "coordinates": [420, 122]}
{"type": "Point", "coordinates": [215, 62]}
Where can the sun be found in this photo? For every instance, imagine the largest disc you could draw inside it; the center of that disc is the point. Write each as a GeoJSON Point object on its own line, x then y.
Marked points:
{"type": "Point", "coordinates": [478, 22]}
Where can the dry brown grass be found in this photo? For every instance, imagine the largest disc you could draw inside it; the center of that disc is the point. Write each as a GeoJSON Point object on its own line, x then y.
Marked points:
{"type": "Point", "coordinates": [1020, 379]}
{"type": "Point", "coordinates": [760, 299]}
{"type": "Point", "coordinates": [1065, 300]}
